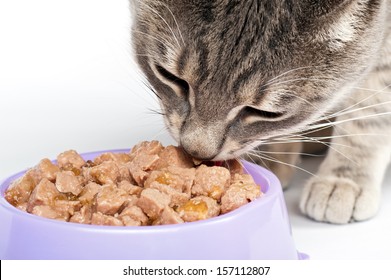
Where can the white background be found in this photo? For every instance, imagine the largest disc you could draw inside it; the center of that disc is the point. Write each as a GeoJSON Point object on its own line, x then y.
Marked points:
{"type": "Point", "coordinates": [68, 81]}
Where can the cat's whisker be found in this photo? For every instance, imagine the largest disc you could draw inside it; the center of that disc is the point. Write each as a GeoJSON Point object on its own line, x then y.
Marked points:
{"type": "Point", "coordinates": [324, 117]}
{"type": "Point", "coordinates": [150, 89]}
{"type": "Point", "coordinates": [341, 113]}
{"type": "Point", "coordinates": [176, 23]}
{"type": "Point", "coordinates": [307, 130]}
{"type": "Point", "coordinates": [348, 120]}
{"type": "Point", "coordinates": [286, 73]}
{"type": "Point", "coordinates": [161, 40]}
{"type": "Point", "coordinates": [144, 80]}
{"type": "Point", "coordinates": [291, 153]}
{"type": "Point", "coordinates": [156, 111]}
{"type": "Point", "coordinates": [332, 147]}
{"type": "Point", "coordinates": [269, 158]}
{"type": "Point", "coordinates": [306, 141]}
{"type": "Point", "coordinates": [249, 155]}
{"type": "Point", "coordinates": [144, 55]}
{"type": "Point", "coordinates": [302, 140]}
{"type": "Point", "coordinates": [369, 89]}
{"type": "Point", "coordinates": [147, 90]}
{"type": "Point", "coordinates": [373, 90]}
{"type": "Point", "coordinates": [165, 22]}
{"type": "Point", "coordinates": [292, 80]}
{"type": "Point", "coordinates": [242, 165]}
{"type": "Point", "coordinates": [320, 140]}
{"type": "Point", "coordinates": [160, 132]}
{"type": "Point", "coordinates": [298, 136]}
{"type": "Point", "coordinates": [301, 98]}
{"type": "Point", "coordinates": [346, 110]}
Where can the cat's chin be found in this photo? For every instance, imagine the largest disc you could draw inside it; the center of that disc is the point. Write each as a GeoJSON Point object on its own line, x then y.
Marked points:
{"type": "Point", "coordinates": [232, 150]}
{"type": "Point", "coordinates": [235, 154]}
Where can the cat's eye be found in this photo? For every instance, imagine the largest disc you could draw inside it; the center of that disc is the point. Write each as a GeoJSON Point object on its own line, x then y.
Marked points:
{"type": "Point", "coordinates": [253, 114]}
{"type": "Point", "coordinates": [182, 84]}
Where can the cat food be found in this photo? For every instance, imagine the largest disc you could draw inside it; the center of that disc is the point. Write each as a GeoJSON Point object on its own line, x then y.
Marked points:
{"type": "Point", "coordinates": [150, 185]}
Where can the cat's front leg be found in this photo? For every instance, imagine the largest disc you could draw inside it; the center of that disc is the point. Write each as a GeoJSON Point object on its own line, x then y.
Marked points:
{"type": "Point", "coordinates": [347, 185]}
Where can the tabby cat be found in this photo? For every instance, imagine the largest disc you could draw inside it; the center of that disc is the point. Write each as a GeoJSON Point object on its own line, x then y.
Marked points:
{"type": "Point", "coordinates": [236, 77]}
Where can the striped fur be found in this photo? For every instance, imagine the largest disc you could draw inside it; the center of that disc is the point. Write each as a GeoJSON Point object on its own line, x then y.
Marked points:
{"type": "Point", "coordinates": [234, 74]}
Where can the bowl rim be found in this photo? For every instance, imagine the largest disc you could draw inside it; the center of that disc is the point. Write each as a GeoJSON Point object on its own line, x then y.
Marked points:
{"type": "Point", "coordinates": [273, 189]}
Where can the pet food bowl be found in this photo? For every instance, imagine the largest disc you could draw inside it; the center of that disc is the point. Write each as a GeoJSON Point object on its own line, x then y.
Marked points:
{"type": "Point", "coordinates": [258, 230]}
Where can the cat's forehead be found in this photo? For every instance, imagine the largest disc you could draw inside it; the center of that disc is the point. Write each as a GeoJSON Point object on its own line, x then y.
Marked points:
{"type": "Point", "coordinates": [241, 40]}
{"type": "Point", "coordinates": [221, 45]}
{"type": "Point", "coordinates": [208, 39]}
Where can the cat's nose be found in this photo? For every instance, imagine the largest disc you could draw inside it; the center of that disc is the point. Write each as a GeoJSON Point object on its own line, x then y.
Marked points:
{"type": "Point", "coordinates": [198, 155]}
{"type": "Point", "coordinates": [200, 146]}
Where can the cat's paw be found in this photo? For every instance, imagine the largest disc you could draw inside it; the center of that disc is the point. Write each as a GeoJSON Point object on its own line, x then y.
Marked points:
{"type": "Point", "coordinates": [338, 200]}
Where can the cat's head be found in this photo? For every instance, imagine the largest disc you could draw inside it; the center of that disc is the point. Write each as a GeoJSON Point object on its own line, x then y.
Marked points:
{"type": "Point", "coordinates": [231, 73]}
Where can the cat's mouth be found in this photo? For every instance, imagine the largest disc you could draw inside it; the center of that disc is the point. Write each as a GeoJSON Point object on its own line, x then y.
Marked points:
{"type": "Point", "coordinates": [232, 164]}
{"type": "Point", "coordinates": [224, 162]}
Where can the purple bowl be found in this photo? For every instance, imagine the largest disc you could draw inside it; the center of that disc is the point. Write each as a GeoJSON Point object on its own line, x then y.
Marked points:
{"type": "Point", "coordinates": [258, 230]}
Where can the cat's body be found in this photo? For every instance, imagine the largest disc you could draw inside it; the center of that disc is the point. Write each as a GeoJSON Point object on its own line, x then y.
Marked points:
{"type": "Point", "coordinates": [231, 75]}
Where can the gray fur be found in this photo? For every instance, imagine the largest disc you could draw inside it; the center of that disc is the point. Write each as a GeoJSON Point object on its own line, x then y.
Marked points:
{"type": "Point", "coordinates": [231, 75]}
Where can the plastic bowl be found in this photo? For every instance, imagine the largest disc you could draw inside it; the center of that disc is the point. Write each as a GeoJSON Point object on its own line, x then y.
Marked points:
{"type": "Point", "coordinates": [258, 230]}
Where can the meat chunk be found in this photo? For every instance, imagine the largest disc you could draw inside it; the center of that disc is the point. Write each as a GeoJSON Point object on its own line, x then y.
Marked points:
{"type": "Point", "coordinates": [116, 157]}
{"type": "Point", "coordinates": [241, 192]}
{"type": "Point", "coordinates": [70, 160]}
{"type": "Point", "coordinates": [110, 199]}
{"type": "Point", "coordinates": [211, 181]}
{"type": "Point", "coordinates": [61, 209]}
{"type": "Point", "coordinates": [46, 169]}
{"type": "Point", "coordinates": [66, 207]}
{"type": "Point", "coordinates": [176, 198]}
{"type": "Point", "coordinates": [174, 157]}
{"type": "Point", "coordinates": [168, 217]}
{"type": "Point", "coordinates": [130, 201]}
{"type": "Point", "coordinates": [234, 166]}
{"type": "Point", "coordinates": [187, 175]}
{"type": "Point", "coordinates": [150, 185]}
{"type": "Point", "coordinates": [22, 206]}
{"type": "Point", "coordinates": [180, 179]}
{"type": "Point", "coordinates": [48, 212]}
{"type": "Point", "coordinates": [106, 220]}
{"type": "Point", "coordinates": [105, 173]}
{"type": "Point", "coordinates": [140, 165]}
{"type": "Point", "coordinates": [129, 222]}
{"type": "Point", "coordinates": [135, 213]}
{"type": "Point", "coordinates": [88, 193]}
{"type": "Point", "coordinates": [170, 184]}
{"type": "Point", "coordinates": [129, 187]}
{"type": "Point", "coordinates": [20, 190]}
{"type": "Point", "coordinates": [45, 193]}
{"type": "Point", "coordinates": [153, 202]}
{"type": "Point", "coordinates": [146, 148]}
{"type": "Point", "coordinates": [67, 182]}
{"type": "Point", "coordinates": [124, 173]}
{"type": "Point", "coordinates": [144, 156]}
{"type": "Point", "coordinates": [138, 175]}
{"type": "Point", "coordinates": [120, 160]}
{"type": "Point", "coordinates": [199, 208]}
{"type": "Point", "coordinates": [242, 179]}
{"type": "Point", "coordinates": [83, 216]}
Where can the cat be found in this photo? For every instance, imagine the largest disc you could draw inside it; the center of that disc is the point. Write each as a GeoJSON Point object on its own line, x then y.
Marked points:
{"type": "Point", "coordinates": [251, 78]}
